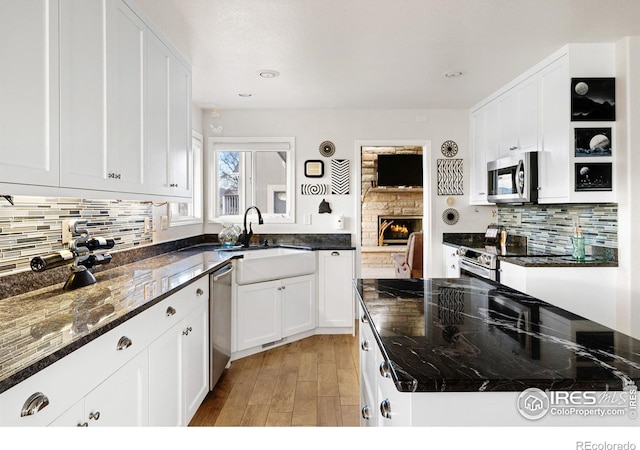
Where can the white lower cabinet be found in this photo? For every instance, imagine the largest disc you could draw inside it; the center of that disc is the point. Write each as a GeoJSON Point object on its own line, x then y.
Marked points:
{"type": "Point", "coordinates": [451, 265]}
{"type": "Point", "coordinates": [121, 400]}
{"type": "Point", "coordinates": [151, 370]}
{"type": "Point", "coordinates": [335, 290]}
{"type": "Point", "coordinates": [589, 292]}
{"type": "Point", "coordinates": [178, 370]}
{"type": "Point", "coordinates": [272, 310]}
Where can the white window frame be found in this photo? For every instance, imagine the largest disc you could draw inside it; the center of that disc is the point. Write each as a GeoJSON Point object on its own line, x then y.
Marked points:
{"type": "Point", "coordinates": [253, 144]}
{"type": "Point", "coordinates": [194, 215]}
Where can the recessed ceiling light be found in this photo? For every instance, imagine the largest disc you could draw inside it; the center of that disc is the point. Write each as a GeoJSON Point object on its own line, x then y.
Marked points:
{"type": "Point", "coordinates": [268, 73]}
{"type": "Point", "coordinates": [453, 74]}
{"type": "Point", "coordinates": [245, 94]}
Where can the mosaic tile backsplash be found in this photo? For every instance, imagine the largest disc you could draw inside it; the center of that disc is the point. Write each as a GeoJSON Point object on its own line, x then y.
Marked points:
{"type": "Point", "coordinates": [33, 226]}
{"type": "Point", "coordinates": [550, 227]}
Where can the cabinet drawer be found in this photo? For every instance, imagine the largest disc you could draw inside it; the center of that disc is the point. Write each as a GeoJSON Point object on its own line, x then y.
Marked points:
{"type": "Point", "coordinates": [176, 307]}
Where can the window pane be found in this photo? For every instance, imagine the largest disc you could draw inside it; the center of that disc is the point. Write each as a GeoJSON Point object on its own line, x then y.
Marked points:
{"type": "Point", "coordinates": [271, 181]}
{"type": "Point", "coordinates": [229, 183]}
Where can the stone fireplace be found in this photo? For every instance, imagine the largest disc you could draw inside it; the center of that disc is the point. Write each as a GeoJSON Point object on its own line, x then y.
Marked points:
{"type": "Point", "coordinates": [395, 230]}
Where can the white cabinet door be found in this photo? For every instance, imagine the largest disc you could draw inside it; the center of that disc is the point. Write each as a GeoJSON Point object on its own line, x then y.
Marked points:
{"type": "Point", "coordinates": [259, 314]}
{"type": "Point", "coordinates": [451, 265]}
{"type": "Point", "coordinates": [553, 160]}
{"type": "Point", "coordinates": [101, 68]}
{"type": "Point", "coordinates": [29, 93]}
{"type": "Point", "coordinates": [336, 293]}
{"type": "Point", "coordinates": [485, 139]}
{"type": "Point", "coordinates": [180, 130]}
{"type": "Point", "coordinates": [526, 94]}
{"type": "Point", "coordinates": [168, 94]}
{"type": "Point", "coordinates": [179, 366]}
{"type": "Point", "coordinates": [120, 401]}
{"type": "Point", "coordinates": [195, 359]}
{"type": "Point", "coordinates": [298, 304]}
{"type": "Point", "coordinates": [513, 276]}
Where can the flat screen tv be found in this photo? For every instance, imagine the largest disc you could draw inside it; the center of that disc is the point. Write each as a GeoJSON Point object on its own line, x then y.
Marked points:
{"type": "Point", "coordinates": [400, 170]}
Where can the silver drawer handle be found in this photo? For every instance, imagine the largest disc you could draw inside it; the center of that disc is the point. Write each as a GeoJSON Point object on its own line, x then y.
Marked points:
{"type": "Point", "coordinates": [385, 408]}
{"type": "Point", "coordinates": [199, 292]}
{"type": "Point", "coordinates": [170, 311]}
{"type": "Point", "coordinates": [83, 424]}
{"type": "Point", "coordinates": [95, 415]}
{"type": "Point", "coordinates": [186, 332]}
{"type": "Point", "coordinates": [35, 403]}
{"type": "Point", "coordinates": [124, 343]}
{"type": "Point", "coordinates": [385, 369]}
{"type": "Point", "coordinates": [365, 345]}
{"type": "Point", "coordinates": [366, 412]}
{"type": "Point", "coordinates": [363, 319]}
{"type": "Point", "coordinates": [335, 253]}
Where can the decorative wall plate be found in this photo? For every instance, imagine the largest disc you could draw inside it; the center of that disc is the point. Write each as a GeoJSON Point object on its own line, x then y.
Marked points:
{"type": "Point", "coordinates": [313, 168]}
{"type": "Point", "coordinates": [327, 149]}
{"type": "Point", "coordinates": [450, 216]}
{"type": "Point", "coordinates": [449, 149]}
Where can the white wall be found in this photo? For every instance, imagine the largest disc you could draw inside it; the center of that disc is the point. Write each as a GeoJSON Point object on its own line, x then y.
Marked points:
{"type": "Point", "coordinates": [628, 184]}
{"type": "Point", "coordinates": [344, 128]}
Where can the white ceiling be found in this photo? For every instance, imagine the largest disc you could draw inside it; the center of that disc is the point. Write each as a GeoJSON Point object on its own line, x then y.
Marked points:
{"type": "Point", "coordinates": [374, 54]}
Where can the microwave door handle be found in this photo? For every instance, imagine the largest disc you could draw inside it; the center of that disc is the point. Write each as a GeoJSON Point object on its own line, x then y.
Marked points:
{"type": "Point", "coordinates": [519, 168]}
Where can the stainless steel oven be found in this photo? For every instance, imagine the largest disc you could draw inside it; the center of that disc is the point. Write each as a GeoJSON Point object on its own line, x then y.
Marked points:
{"type": "Point", "coordinates": [513, 179]}
{"type": "Point", "coordinates": [478, 263]}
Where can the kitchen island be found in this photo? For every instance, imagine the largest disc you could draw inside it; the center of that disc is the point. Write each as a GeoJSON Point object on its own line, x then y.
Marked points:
{"type": "Point", "coordinates": [463, 351]}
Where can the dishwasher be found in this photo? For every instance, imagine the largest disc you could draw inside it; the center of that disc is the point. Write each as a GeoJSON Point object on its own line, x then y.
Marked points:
{"type": "Point", "coordinates": [219, 322]}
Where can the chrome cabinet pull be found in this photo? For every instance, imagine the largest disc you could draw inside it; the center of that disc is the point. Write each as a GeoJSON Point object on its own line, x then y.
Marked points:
{"type": "Point", "coordinates": [365, 345]}
{"type": "Point", "coordinates": [187, 331]}
{"type": "Point", "coordinates": [366, 412]}
{"type": "Point", "coordinates": [124, 343]}
{"type": "Point", "coordinates": [36, 402]}
{"type": "Point", "coordinates": [199, 292]}
{"type": "Point", "coordinates": [83, 424]}
{"type": "Point", "coordinates": [385, 408]}
{"type": "Point", "coordinates": [385, 369]}
{"type": "Point", "coordinates": [95, 415]}
{"type": "Point", "coordinates": [335, 253]}
{"type": "Point", "coordinates": [363, 319]}
{"type": "Point", "coordinates": [170, 311]}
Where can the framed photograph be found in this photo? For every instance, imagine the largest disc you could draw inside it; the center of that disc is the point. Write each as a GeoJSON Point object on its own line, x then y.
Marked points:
{"type": "Point", "coordinates": [592, 142]}
{"type": "Point", "coordinates": [313, 168]}
{"type": "Point", "coordinates": [593, 177]}
{"type": "Point", "coordinates": [593, 99]}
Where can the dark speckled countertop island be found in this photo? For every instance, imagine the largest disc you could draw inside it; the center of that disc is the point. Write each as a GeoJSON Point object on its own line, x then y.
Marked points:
{"type": "Point", "coordinates": [469, 335]}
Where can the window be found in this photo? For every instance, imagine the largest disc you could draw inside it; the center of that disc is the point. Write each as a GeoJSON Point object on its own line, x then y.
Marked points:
{"type": "Point", "coordinates": [191, 213]}
{"type": "Point", "coordinates": [246, 172]}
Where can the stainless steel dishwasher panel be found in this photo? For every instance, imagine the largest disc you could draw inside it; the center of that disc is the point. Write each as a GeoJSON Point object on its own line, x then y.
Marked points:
{"type": "Point", "coordinates": [219, 323]}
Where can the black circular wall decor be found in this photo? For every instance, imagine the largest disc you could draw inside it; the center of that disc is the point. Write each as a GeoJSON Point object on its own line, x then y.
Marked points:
{"type": "Point", "coordinates": [450, 216]}
{"type": "Point", "coordinates": [449, 149]}
{"type": "Point", "coordinates": [327, 149]}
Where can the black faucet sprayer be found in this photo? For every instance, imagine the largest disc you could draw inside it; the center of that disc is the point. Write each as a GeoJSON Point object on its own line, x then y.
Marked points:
{"type": "Point", "coordinates": [246, 236]}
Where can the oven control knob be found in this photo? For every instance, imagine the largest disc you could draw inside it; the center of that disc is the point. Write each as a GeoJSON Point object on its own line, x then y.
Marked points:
{"type": "Point", "coordinates": [461, 251]}
{"type": "Point", "coordinates": [485, 260]}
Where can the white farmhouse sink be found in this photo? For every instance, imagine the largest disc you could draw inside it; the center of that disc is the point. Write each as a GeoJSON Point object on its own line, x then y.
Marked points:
{"type": "Point", "coordinates": [273, 264]}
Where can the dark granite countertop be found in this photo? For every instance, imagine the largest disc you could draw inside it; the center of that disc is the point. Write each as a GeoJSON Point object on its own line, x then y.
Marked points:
{"type": "Point", "coordinates": [463, 335]}
{"type": "Point", "coordinates": [559, 261]}
{"type": "Point", "coordinates": [44, 325]}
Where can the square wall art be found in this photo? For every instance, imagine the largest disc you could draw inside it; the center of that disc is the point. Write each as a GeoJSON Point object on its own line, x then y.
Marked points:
{"type": "Point", "coordinates": [593, 142]}
{"type": "Point", "coordinates": [593, 99]}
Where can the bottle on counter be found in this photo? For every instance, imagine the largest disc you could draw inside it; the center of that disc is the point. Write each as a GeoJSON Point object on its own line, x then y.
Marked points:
{"type": "Point", "coordinates": [577, 242]}
{"type": "Point", "coordinates": [99, 243]}
{"type": "Point", "coordinates": [51, 260]}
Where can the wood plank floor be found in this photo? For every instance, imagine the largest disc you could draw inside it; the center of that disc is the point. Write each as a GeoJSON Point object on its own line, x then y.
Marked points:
{"type": "Point", "coordinates": [311, 382]}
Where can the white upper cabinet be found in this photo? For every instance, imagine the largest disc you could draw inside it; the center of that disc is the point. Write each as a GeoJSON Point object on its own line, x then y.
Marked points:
{"type": "Point", "coordinates": [75, 107]}
{"type": "Point", "coordinates": [102, 59]}
{"type": "Point", "coordinates": [533, 113]}
{"type": "Point", "coordinates": [29, 98]}
{"type": "Point", "coordinates": [168, 131]}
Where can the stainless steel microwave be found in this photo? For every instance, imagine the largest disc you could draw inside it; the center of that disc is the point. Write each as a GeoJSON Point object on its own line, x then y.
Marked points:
{"type": "Point", "coordinates": [513, 179]}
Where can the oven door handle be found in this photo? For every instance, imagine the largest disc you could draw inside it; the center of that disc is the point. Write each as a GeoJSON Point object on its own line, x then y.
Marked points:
{"type": "Point", "coordinates": [475, 269]}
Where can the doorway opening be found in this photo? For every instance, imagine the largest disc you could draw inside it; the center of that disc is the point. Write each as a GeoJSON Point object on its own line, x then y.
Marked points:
{"type": "Point", "coordinates": [388, 214]}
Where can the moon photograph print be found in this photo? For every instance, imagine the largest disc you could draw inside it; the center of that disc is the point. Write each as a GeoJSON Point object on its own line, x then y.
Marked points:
{"type": "Point", "coordinates": [592, 142]}
{"type": "Point", "coordinates": [593, 177]}
{"type": "Point", "coordinates": [593, 99]}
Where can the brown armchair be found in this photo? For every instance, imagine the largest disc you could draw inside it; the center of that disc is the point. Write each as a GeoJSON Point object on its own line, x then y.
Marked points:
{"type": "Point", "coordinates": [409, 264]}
